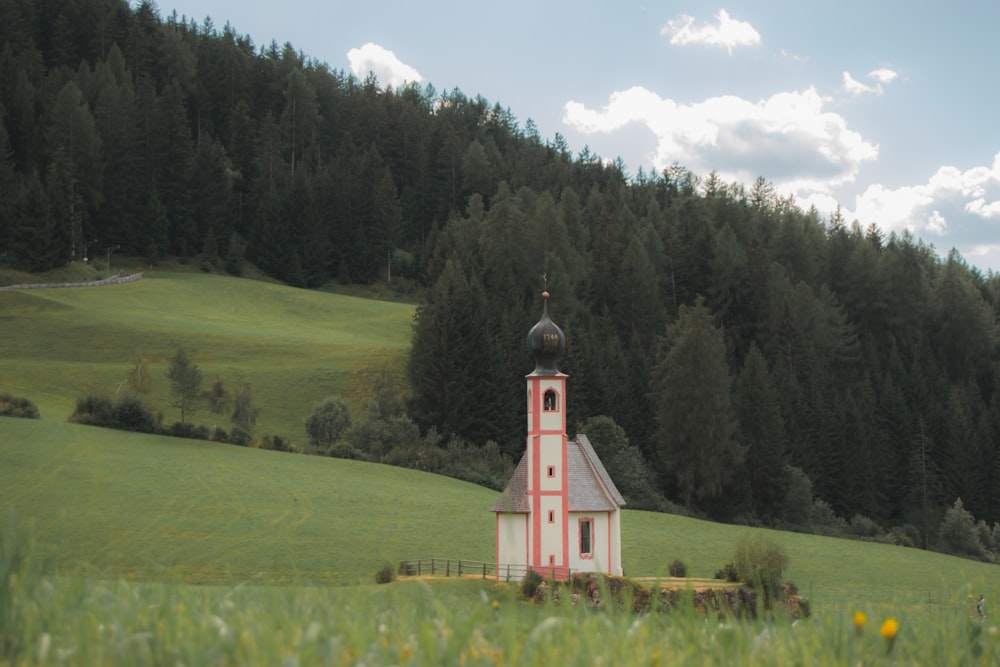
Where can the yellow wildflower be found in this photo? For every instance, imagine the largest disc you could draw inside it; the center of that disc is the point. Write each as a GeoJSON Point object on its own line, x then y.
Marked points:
{"type": "Point", "coordinates": [859, 622]}
{"type": "Point", "coordinates": [889, 630]}
{"type": "Point", "coordinates": [496, 604]}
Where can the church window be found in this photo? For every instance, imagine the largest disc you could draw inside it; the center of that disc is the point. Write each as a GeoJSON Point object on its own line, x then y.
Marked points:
{"type": "Point", "coordinates": [551, 401]}
{"type": "Point", "coordinates": [552, 516]}
{"type": "Point", "coordinates": [551, 471]}
{"type": "Point", "coordinates": [586, 537]}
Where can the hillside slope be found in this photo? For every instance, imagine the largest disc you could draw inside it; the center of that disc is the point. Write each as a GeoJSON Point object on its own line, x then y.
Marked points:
{"type": "Point", "coordinates": [112, 503]}
{"type": "Point", "coordinates": [295, 347]}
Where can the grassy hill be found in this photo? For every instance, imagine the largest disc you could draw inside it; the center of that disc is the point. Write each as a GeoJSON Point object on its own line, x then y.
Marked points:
{"type": "Point", "coordinates": [294, 346]}
{"type": "Point", "coordinates": [109, 503]}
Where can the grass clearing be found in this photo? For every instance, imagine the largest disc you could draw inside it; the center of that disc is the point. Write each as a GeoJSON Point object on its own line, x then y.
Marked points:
{"type": "Point", "coordinates": [294, 346]}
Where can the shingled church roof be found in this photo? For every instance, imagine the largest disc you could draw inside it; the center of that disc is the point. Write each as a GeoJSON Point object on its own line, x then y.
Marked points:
{"type": "Point", "coordinates": [589, 486]}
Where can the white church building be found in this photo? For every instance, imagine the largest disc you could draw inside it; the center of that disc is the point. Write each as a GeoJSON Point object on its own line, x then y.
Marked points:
{"type": "Point", "coordinates": [560, 513]}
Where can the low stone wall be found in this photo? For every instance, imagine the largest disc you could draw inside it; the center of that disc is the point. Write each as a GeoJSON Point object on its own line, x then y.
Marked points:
{"type": "Point", "coordinates": [113, 280]}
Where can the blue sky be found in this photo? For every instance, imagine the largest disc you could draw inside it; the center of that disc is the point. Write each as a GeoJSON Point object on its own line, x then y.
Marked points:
{"type": "Point", "coordinates": [888, 109]}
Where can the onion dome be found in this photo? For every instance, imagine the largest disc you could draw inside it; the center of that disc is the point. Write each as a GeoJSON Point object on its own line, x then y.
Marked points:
{"type": "Point", "coordinates": [546, 341]}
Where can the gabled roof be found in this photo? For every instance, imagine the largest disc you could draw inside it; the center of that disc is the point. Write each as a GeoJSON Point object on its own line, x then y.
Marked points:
{"type": "Point", "coordinates": [590, 487]}
{"type": "Point", "coordinates": [583, 443]}
{"type": "Point", "coordinates": [515, 496]}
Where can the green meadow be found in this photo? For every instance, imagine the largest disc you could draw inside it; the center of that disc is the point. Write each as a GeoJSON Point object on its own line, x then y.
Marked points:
{"type": "Point", "coordinates": [295, 347]}
{"type": "Point", "coordinates": [121, 548]}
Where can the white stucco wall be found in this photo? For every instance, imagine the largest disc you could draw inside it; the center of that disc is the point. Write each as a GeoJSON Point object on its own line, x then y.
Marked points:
{"type": "Point", "coordinates": [512, 539]}
{"type": "Point", "coordinates": [605, 543]}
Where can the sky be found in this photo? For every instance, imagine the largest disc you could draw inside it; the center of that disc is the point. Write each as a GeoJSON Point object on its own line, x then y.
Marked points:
{"type": "Point", "coordinates": [888, 109]}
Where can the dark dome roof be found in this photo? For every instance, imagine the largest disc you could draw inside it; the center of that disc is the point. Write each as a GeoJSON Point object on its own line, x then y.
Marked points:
{"type": "Point", "coordinates": [547, 341]}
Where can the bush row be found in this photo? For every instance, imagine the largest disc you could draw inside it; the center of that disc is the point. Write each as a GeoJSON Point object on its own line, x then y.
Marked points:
{"type": "Point", "coordinates": [13, 406]}
{"type": "Point", "coordinates": [129, 413]}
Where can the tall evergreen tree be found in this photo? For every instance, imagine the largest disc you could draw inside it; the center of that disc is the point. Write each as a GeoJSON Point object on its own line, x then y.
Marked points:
{"type": "Point", "coordinates": [696, 430]}
{"type": "Point", "coordinates": [762, 432]}
{"type": "Point", "coordinates": [72, 139]}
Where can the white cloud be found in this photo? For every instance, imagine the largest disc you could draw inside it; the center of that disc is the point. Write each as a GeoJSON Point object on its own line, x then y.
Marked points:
{"type": "Point", "coordinates": [788, 138]}
{"type": "Point", "coordinates": [960, 207]}
{"type": "Point", "coordinates": [855, 87]}
{"type": "Point", "coordinates": [883, 75]}
{"type": "Point", "coordinates": [880, 76]}
{"type": "Point", "coordinates": [387, 68]}
{"type": "Point", "coordinates": [728, 32]}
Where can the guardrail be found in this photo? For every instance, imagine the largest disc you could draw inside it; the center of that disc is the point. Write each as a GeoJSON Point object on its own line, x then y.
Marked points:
{"type": "Point", "coordinates": [113, 280]}
{"type": "Point", "coordinates": [452, 567]}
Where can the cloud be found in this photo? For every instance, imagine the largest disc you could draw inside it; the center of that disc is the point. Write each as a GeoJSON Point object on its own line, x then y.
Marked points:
{"type": "Point", "coordinates": [788, 138]}
{"type": "Point", "coordinates": [387, 68]}
{"type": "Point", "coordinates": [880, 76]}
{"type": "Point", "coordinates": [855, 87]}
{"type": "Point", "coordinates": [961, 208]}
{"type": "Point", "coordinates": [883, 75]}
{"type": "Point", "coordinates": [727, 32]}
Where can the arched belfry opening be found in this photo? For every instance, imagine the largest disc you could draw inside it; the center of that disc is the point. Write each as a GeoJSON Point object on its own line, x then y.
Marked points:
{"type": "Point", "coordinates": [551, 401]}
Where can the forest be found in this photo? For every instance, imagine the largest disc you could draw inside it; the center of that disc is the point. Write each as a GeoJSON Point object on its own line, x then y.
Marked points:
{"type": "Point", "coordinates": [751, 361]}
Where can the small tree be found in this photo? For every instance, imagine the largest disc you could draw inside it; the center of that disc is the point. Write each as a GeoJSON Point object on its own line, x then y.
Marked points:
{"type": "Point", "coordinates": [760, 563]}
{"type": "Point", "coordinates": [244, 411]}
{"type": "Point", "coordinates": [185, 384]}
{"type": "Point", "coordinates": [957, 533]}
{"type": "Point", "coordinates": [219, 399]}
{"type": "Point", "coordinates": [327, 422]}
{"type": "Point", "coordinates": [139, 381]}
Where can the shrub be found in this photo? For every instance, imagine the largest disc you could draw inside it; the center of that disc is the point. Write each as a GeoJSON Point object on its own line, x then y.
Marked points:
{"type": "Point", "coordinates": [327, 422]}
{"type": "Point", "coordinates": [240, 437]}
{"type": "Point", "coordinates": [187, 430]}
{"type": "Point", "coordinates": [130, 414]}
{"type": "Point", "coordinates": [678, 568]}
{"type": "Point", "coordinates": [278, 444]}
{"type": "Point", "coordinates": [385, 575]}
{"type": "Point", "coordinates": [862, 526]}
{"type": "Point", "coordinates": [760, 563]}
{"type": "Point", "coordinates": [825, 521]}
{"type": "Point", "coordinates": [93, 411]}
{"type": "Point", "coordinates": [12, 406]}
{"type": "Point", "coordinates": [728, 573]}
{"type": "Point", "coordinates": [220, 435]}
{"type": "Point", "coordinates": [530, 584]}
{"type": "Point", "coordinates": [958, 535]}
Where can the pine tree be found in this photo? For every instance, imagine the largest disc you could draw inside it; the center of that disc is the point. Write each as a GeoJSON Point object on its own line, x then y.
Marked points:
{"type": "Point", "coordinates": [762, 432]}
{"type": "Point", "coordinates": [696, 425]}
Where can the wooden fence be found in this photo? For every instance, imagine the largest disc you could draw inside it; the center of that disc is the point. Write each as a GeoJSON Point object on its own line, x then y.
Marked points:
{"type": "Point", "coordinates": [451, 567]}
{"type": "Point", "coordinates": [113, 280]}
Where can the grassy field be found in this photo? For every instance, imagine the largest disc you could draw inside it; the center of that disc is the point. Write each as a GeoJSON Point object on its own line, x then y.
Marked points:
{"type": "Point", "coordinates": [110, 503]}
{"type": "Point", "coordinates": [295, 347]}
{"type": "Point", "coordinates": [154, 550]}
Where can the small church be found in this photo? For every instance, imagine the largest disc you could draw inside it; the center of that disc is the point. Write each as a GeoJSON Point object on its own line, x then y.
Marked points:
{"type": "Point", "coordinates": [560, 513]}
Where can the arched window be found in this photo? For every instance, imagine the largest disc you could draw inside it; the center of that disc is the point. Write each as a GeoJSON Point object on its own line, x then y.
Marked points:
{"type": "Point", "coordinates": [550, 401]}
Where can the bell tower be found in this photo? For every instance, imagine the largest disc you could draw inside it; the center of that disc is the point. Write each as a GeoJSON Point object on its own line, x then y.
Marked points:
{"type": "Point", "coordinates": [546, 450]}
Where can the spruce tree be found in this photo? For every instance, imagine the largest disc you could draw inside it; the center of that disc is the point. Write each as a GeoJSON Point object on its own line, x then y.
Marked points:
{"type": "Point", "coordinates": [696, 431]}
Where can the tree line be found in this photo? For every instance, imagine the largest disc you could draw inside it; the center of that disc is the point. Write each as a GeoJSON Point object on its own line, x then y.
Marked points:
{"type": "Point", "coordinates": [755, 362]}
